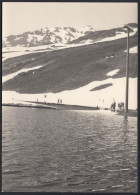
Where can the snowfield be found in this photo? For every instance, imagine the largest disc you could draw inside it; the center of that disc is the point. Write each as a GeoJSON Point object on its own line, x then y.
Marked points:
{"type": "Point", "coordinates": [133, 50]}
{"type": "Point", "coordinates": [83, 96]}
{"type": "Point", "coordinates": [112, 73]}
{"type": "Point", "coordinates": [10, 76]}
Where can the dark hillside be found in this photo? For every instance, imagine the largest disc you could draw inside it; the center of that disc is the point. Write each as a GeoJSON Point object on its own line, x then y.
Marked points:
{"type": "Point", "coordinates": [99, 35]}
{"type": "Point", "coordinates": [69, 68]}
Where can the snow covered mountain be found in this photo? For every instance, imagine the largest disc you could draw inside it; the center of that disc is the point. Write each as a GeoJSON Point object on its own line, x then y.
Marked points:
{"type": "Point", "coordinates": [46, 36]}
{"type": "Point", "coordinates": [92, 66]}
{"type": "Point", "coordinates": [49, 39]}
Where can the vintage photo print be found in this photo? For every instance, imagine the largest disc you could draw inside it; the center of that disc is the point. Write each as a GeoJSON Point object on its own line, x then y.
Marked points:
{"type": "Point", "coordinates": [69, 97]}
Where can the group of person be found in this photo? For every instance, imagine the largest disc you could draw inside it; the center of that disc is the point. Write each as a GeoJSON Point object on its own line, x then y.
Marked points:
{"type": "Point", "coordinates": [59, 101]}
{"type": "Point", "coordinates": [120, 105]}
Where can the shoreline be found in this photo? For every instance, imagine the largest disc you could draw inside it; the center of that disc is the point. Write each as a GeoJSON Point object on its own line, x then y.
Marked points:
{"type": "Point", "coordinates": [64, 106]}
{"type": "Point", "coordinates": [28, 106]}
{"type": "Point", "coordinates": [52, 106]}
{"type": "Point", "coordinates": [131, 113]}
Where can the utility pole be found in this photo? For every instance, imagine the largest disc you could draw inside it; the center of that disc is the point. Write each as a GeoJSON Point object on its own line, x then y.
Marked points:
{"type": "Point", "coordinates": [127, 70]}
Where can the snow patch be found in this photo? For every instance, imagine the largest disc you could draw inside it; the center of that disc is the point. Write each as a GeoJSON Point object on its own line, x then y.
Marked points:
{"type": "Point", "coordinates": [87, 42]}
{"type": "Point", "coordinates": [19, 51]}
{"type": "Point", "coordinates": [112, 73]}
{"type": "Point", "coordinates": [109, 57]}
{"type": "Point", "coordinates": [102, 98]}
{"type": "Point", "coordinates": [29, 37]}
{"type": "Point", "coordinates": [87, 28]}
{"type": "Point", "coordinates": [133, 50]}
{"type": "Point", "coordinates": [17, 38]}
{"type": "Point", "coordinates": [11, 76]}
{"type": "Point", "coordinates": [33, 37]}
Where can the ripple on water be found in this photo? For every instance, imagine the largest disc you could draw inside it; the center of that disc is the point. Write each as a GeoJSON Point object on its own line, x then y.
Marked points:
{"type": "Point", "coordinates": [57, 151]}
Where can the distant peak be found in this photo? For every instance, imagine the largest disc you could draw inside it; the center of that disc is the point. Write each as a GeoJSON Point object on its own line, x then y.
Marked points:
{"type": "Point", "coordinates": [87, 28]}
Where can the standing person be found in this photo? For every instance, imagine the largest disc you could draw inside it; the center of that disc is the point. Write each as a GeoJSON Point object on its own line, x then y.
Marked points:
{"type": "Point", "coordinates": [58, 101]}
{"type": "Point", "coordinates": [114, 104]}
{"type": "Point", "coordinates": [122, 105]}
{"type": "Point", "coordinates": [118, 105]}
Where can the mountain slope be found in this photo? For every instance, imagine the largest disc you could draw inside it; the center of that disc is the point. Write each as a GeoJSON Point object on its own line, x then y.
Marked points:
{"type": "Point", "coordinates": [59, 38]}
{"type": "Point", "coordinates": [89, 71]}
{"type": "Point", "coordinates": [103, 34]}
{"type": "Point", "coordinates": [70, 68]}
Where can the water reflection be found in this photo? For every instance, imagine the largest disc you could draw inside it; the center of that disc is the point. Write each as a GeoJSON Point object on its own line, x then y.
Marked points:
{"type": "Point", "coordinates": [125, 129]}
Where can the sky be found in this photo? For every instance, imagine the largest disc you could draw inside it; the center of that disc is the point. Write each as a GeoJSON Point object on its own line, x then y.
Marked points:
{"type": "Point", "coordinates": [19, 17]}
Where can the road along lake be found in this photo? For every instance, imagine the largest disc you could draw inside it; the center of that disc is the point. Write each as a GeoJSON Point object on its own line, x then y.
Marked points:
{"type": "Point", "coordinates": [68, 151]}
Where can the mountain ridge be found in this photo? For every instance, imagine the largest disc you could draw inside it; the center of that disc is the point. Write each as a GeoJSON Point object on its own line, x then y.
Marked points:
{"type": "Point", "coordinates": [62, 36]}
{"type": "Point", "coordinates": [45, 36]}
{"type": "Point", "coordinates": [69, 66]}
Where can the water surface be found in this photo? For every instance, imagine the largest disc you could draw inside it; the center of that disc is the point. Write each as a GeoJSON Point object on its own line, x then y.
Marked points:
{"type": "Point", "coordinates": [68, 151]}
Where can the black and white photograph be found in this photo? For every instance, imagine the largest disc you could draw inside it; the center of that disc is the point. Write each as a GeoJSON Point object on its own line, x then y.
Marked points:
{"type": "Point", "coordinates": [69, 97]}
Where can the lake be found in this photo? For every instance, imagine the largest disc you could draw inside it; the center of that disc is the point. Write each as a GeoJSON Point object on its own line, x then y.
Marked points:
{"type": "Point", "coordinates": [68, 151]}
